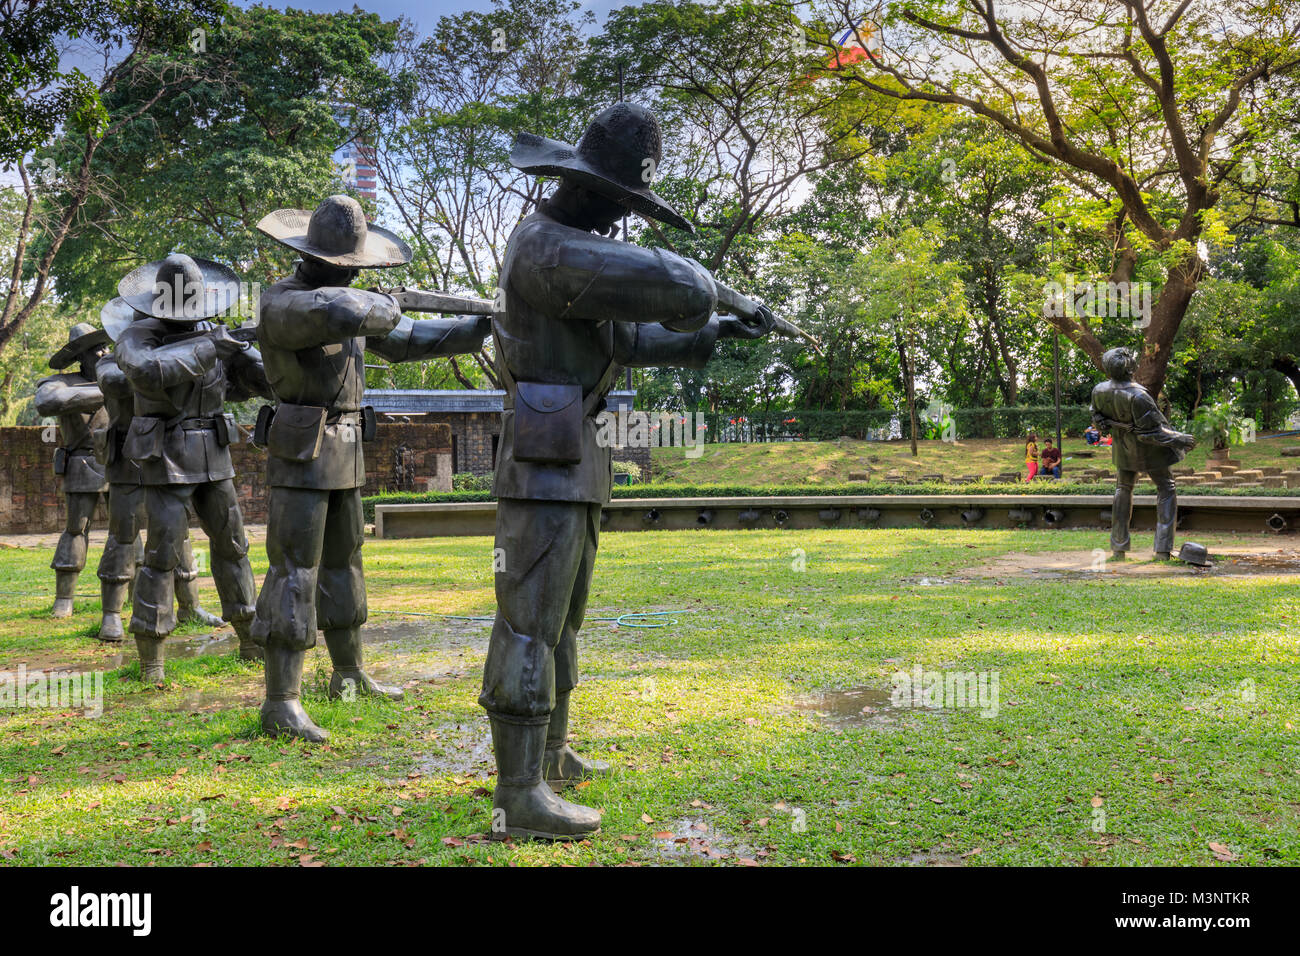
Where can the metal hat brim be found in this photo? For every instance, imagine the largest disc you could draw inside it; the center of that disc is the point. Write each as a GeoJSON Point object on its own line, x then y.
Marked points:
{"type": "Point", "coordinates": [220, 292]}
{"type": "Point", "coordinates": [540, 156]}
{"type": "Point", "coordinates": [82, 343]}
{"type": "Point", "coordinates": [115, 316]}
{"type": "Point", "coordinates": [382, 250]}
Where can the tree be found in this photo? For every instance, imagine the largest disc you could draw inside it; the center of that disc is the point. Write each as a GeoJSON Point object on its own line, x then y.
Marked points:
{"type": "Point", "coordinates": [271, 96]}
{"type": "Point", "coordinates": [1147, 106]}
{"type": "Point", "coordinates": [126, 36]}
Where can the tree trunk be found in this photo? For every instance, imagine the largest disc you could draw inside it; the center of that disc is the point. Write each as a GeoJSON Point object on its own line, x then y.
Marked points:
{"type": "Point", "coordinates": [1166, 316]}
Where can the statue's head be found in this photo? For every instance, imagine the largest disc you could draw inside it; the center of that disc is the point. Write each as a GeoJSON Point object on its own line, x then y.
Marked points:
{"type": "Point", "coordinates": [1119, 364]}
{"type": "Point", "coordinates": [608, 173]}
{"type": "Point", "coordinates": [335, 239]}
{"type": "Point", "coordinates": [86, 346]}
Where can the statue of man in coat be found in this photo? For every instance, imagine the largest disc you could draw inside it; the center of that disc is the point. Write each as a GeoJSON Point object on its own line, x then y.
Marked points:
{"type": "Point", "coordinates": [123, 550]}
{"type": "Point", "coordinates": [75, 400]}
{"type": "Point", "coordinates": [576, 303]}
{"type": "Point", "coordinates": [314, 331]}
{"type": "Point", "coordinates": [183, 366]}
{"type": "Point", "coordinates": [1143, 441]}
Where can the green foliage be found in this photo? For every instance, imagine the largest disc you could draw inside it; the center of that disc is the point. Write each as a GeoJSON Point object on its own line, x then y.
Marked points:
{"type": "Point", "coordinates": [468, 481]}
{"type": "Point", "coordinates": [254, 130]}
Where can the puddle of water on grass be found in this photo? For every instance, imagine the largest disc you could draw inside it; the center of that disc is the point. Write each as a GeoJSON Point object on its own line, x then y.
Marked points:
{"type": "Point", "coordinates": [695, 837]}
{"type": "Point", "coordinates": [466, 750]}
{"type": "Point", "coordinates": [851, 707]}
{"type": "Point", "coordinates": [931, 858]}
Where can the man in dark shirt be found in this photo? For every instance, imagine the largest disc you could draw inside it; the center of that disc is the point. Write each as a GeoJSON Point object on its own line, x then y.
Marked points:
{"type": "Point", "coordinates": [1050, 460]}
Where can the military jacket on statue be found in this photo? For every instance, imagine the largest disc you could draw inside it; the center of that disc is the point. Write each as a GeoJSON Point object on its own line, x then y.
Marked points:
{"type": "Point", "coordinates": [180, 432]}
{"type": "Point", "coordinates": [79, 406]}
{"type": "Point", "coordinates": [578, 305]}
{"type": "Point", "coordinates": [119, 403]}
{"type": "Point", "coordinates": [1143, 439]}
{"type": "Point", "coordinates": [313, 340]}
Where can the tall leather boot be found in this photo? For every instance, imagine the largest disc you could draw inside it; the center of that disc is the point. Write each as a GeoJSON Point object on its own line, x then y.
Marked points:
{"type": "Point", "coordinates": [523, 804]}
{"type": "Point", "coordinates": [65, 589]}
{"type": "Point", "coordinates": [282, 713]}
{"type": "Point", "coordinates": [560, 764]}
{"type": "Point", "coordinates": [249, 650]}
{"type": "Point", "coordinates": [188, 607]}
{"type": "Point", "coordinates": [151, 659]}
{"type": "Point", "coordinates": [111, 596]}
{"type": "Point", "coordinates": [345, 651]}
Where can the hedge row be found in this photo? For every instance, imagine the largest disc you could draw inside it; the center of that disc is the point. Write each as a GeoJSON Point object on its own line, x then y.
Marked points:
{"type": "Point", "coordinates": [865, 488]}
{"type": "Point", "coordinates": [821, 425]}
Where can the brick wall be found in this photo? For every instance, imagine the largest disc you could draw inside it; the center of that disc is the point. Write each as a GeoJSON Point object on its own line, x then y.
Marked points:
{"type": "Point", "coordinates": [31, 497]}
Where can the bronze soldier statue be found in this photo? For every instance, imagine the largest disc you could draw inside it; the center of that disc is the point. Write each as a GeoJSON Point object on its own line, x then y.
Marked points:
{"type": "Point", "coordinates": [314, 331]}
{"type": "Point", "coordinates": [127, 517]}
{"type": "Point", "coordinates": [1143, 441]}
{"type": "Point", "coordinates": [578, 303]}
{"type": "Point", "coordinates": [183, 366]}
{"type": "Point", "coordinates": [75, 400]}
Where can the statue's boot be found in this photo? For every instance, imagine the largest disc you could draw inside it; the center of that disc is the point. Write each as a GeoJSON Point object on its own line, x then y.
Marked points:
{"type": "Point", "coordinates": [188, 607]}
{"type": "Point", "coordinates": [282, 713]}
{"type": "Point", "coordinates": [345, 651]}
{"type": "Point", "coordinates": [65, 589]}
{"type": "Point", "coordinates": [524, 805]}
{"type": "Point", "coordinates": [1118, 556]}
{"type": "Point", "coordinates": [151, 659]}
{"type": "Point", "coordinates": [111, 596]}
{"type": "Point", "coordinates": [1163, 556]}
{"type": "Point", "coordinates": [249, 650]}
{"type": "Point", "coordinates": [561, 764]}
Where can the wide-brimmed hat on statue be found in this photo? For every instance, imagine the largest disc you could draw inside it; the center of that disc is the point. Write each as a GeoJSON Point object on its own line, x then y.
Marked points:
{"type": "Point", "coordinates": [115, 316]}
{"type": "Point", "coordinates": [337, 233]}
{"type": "Point", "coordinates": [181, 288]}
{"type": "Point", "coordinates": [82, 338]}
{"type": "Point", "coordinates": [1194, 553]}
{"type": "Point", "coordinates": [610, 159]}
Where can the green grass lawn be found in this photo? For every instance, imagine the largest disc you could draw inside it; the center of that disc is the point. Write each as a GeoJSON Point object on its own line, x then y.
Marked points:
{"type": "Point", "coordinates": [1166, 704]}
{"type": "Point", "coordinates": [773, 463]}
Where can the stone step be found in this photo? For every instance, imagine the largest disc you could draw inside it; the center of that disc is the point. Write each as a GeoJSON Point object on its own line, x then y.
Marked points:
{"type": "Point", "coordinates": [1250, 474]}
{"type": "Point", "coordinates": [1273, 481]}
{"type": "Point", "coordinates": [1270, 471]}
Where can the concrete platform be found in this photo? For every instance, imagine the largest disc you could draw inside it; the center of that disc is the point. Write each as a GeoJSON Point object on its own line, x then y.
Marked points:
{"type": "Point", "coordinates": [1195, 513]}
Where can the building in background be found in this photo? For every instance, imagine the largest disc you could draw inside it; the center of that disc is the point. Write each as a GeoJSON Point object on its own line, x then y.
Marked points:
{"type": "Point", "coordinates": [475, 419]}
{"type": "Point", "coordinates": [356, 159]}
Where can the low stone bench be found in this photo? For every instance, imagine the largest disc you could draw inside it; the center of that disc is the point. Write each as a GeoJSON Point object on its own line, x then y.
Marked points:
{"type": "Point", "coordinates": [1292, 478]}
{"type": "Point", "coordinates": [1270, 471]}
{"type": "Point", "coordinates": [1273, 481]}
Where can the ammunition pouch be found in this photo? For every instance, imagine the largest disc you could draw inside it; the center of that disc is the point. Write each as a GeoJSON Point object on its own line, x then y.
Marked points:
{"type": "Point", "coordinates": [60, 461]}
{"type": "Point", "coordinates": [227, 429]}
{"type": "Point", "coordinates": [548, 423]}
{"type": "Point", "coordinates": [296, 432]}
{"type": "Point", "coordinates": [262, 429]}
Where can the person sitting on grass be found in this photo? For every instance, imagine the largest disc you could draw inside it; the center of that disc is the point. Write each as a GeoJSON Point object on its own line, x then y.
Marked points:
{"type": "Point", "coordinates": [1091, 435]}
{"type": "Point", "coordinates": [1031, 457]}
{"type": "Point", "coordinates": [1050, 460]}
